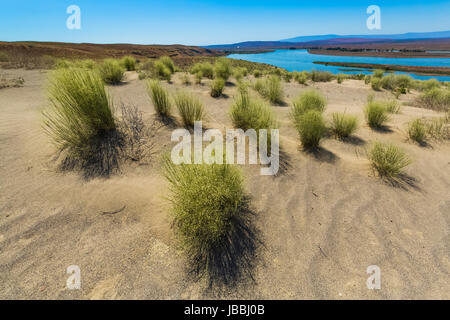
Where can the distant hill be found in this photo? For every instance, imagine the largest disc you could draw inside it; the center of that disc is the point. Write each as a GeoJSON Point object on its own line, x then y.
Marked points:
{"type": "Point", "coordinates": [402, 36]}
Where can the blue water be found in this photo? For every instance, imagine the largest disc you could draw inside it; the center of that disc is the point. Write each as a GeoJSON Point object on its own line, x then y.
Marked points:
{"type": "Point", "coordinates": [299, 60]}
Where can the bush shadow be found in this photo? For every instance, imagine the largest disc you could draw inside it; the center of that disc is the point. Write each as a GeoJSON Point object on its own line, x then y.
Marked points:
{"type": "Point", "coordinates": [231, 259]}
{"type": "Point", "coordinates": [321, 154]}
{"type": "Point", "coordinates": [403, 181]}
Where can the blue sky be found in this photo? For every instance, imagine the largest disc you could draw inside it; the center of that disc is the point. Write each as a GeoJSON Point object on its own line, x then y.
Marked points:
{"type": "Point", "coordinates": [202, 22]}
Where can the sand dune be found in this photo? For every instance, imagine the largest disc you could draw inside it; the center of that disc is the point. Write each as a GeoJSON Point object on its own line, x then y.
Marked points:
{"type": "Point", "coordinates": [323, 221]}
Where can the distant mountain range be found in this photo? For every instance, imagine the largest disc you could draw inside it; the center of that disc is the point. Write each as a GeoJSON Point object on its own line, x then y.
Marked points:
{"type": "Point", "coordinates": [333, 40]}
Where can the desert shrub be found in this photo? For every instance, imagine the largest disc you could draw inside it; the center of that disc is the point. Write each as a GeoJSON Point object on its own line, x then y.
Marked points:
{"type": "Point", "coordinates": [392, 106]}
{"type": "Point", "coordinates": [416, 130]}
{"type": "Point", "coordinates": [340, 77]}
{"type": "Point", "coordinates": [399, 82]}
{"type": "Point", "coordinates": [111, 71]}
{"type": "Point", "coordinates": [198, 77]}
{"type": "Point", "coordinates": [205, 68]}
{"type": "Point", "coordinates": [438, 128]}
{"type": "Point", "coordinates": [168, 62]}
{"type": "Point", "coordinates": [189, 107]}
{"type": "Point", "coordinates": [244, 71]}
{"type": "Point", "coordinates": [185, 79]}
{"type": "Point", "coordinates": [80, 109]}
{"type": "Point", "coordinates": [343, 125]}
{"type": "Point", "coordinates": [388, 159]}
{"type": "Point", "coordinates": [162, 71]}
{"type": "Point", "coordinates": [217, 86]}
{"type": "Point", "coordinates": [129, 63]}
{"type": "Point", "coordinates": [238, 74]}
{"type": "Point", "coordinates": [310, 127]}
{"type": "Point", "coordinates": [4, 57]}
{"type": "Point", "coordinates": [257, 73]}
{"type": "Point", "coordinates": [308, 100]}
{"type": "Point", "coordinates": [375, 83]}
{"type": "Point", "coordinates": [87, 64]}
{"type": "Point", "coordinates": [429, 84]}
{"type": "Point", "coordinates": [376, 114]}
{"type": "Point", "coordinates": [301, 77]}
{"type": "Point", "coordinates": [222, 68]}
{"type": "Point", "coordinates": [378, 73]}
{"type": "Point", "coordinates": [249, 113]}
{"type": "Point", "coordinates": [287, 76]}
{"type": "Point", "coordinates": [435, 99]}
{"type": "Point", "coordinates": [207, 201]}
{"type": "Point", "coordinates": [321, 76]}
{"type": "Point", "coordinates": [270, 88]}
{"type": "Point", "coordinates": [160, 98]}
{"type": "Point", "coordinates": [367, 79]}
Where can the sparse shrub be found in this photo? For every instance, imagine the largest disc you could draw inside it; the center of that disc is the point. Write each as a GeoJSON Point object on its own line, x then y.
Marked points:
{"type": "Point", "coordinates": [310, 127]}
{"type": "Point", "coordinates": [129, 63]}
{"type": "Point", "coordinates": [287, 76]}
{"type": "Point", "coordinates": [367, 79]}
{"type": "Point", "coordinates": [168, 62]}
{"type": "Point", "coordinates": [375, 83]}
{"type": "Point", "coordinates": [308, 100]}
{"type": "Point", "coordinates": [207, 201]}
{"type": "Point", "coordinates": [257, 73]}
{"type": "Point", "coordinates": [416, 130]}
{"type": "Point", "coordinates": [376, 114]}
{"type": "Point", "coordinates": [159, 97]}
{"type": "Point", "coordinates": [301, 77]}
{"type": "Point", "coordinates": [206, 68]}
{"type": "Point", "coordinates": [321, 76]}
{"type": "Point", "coordinates": [388, 159]}
{"type": "Point", "coordinates": [399, 82]}
{"type": "Point", "coordinates": [217, 86]}
{"type": "Point", "coordinates": [435, 99]}
{"type": "Point", "coordinates": [185, 79]}
{"type": "Point", "coordinates": [249, 113]}
{"type": "Point", "coordinates": [222, 68]}
{"type": "Point", "coordinates": [80, 109]}
{"type": "Point", "coordinates": [429, 84]}
{"type": "Point", "coordinates": [392, 106]}
{"type": "Point", "coordinates": [189, 107]}
{"type": "Point", "coordinates": [343, 125]}
{"type": "Point", "coordinates": [340, 77]}
{"type": "Point", "coordinates": [162, 71]}
{"type": "Point", "coordinates": [438, 128]}
{"type": "Point", "coordinates": [198, 77]}
{"type": "Point", "coordinates": [270, 88]}
{"type": "Point", "coordinates": [259, 85]}
{"type": "Point", "coordinates": [111, 71]}
{"type": "Point", "coordinates": [378, 73]}
{"type": "Point", "coordinates": [87, 63]}
{"type": "Point", "coordinates": [238, 74]}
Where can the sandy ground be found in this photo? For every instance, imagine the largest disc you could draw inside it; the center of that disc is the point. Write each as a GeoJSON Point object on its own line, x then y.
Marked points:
{"type": "Point", "coordinates": [323, 221]}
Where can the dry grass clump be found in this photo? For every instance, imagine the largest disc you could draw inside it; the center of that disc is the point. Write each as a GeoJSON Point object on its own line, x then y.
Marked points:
{"type": "Point", "coordinates": [399, 82]}
{"type": "Point", "coordinates": [435, 99]}
{"type": "Point", "coordinates": [209, 205]}
{"type": "Point", "coordinates": [376, 114]}
{"type": "Point", "coordinates": [80, 109]}
{"type": "Point", "coordinates": [205, 68]}
{"type": "Point", "coordinates": [217, 86]}
{"type": "Point", "coordinates": [340, 77]}
{"type": "Point", "coordinates": [311, 128]}
{"type": "Point", "coordinates": [159, 97]}
{"type": "Point", "coordinates": [416, 130]}
{"type": "Point", "coordinates": [438, 128]}
{"type": "Point", "coordinates": [222, 68]}
{"type": "Point", "coordinates": [189, 107]}
{"type": "Point", "coordinates": [129, 63]}
{"type": "Point", "coordinates": [162, 72]}
{"type": "Point", "coordinates": [392, 106]}
{"type": "Point", "coordinates": [185, 79]}
{"type": "Point", "coordinates": [375, 83]}
{"type": "Point", "coordinates": [270, 88]}
{"type": "Point", "coordinates": [257, 73]}
{"type": "Point", "coordinates": [308, 100]}
{"type": "Point", "coordinates": [389, 160]}
{"type": "Point", "coordinates": [321, 76]}
{"type": "Point", "coordinates": [249, 113]}
{"type": "Point", "coordinates": [111, 71]}
{"type": "Point", "coordinates": [301, 77]}
{"type": "Point", "coordinates": [343, 125]}
{"type": "Point", "coordinates": [168, 62]}
{"type": "Point", "coordinates": [378, 73]}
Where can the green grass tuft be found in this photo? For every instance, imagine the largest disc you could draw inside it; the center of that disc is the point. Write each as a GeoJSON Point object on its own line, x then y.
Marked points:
{"type": "Point", "coordinates": [129, 63]}
{"type": "Point", "coordinates": [222, 68]}
{"type": "Point", "coordinates": [159, 97]}
{"type": "Point", "coordinates": [111, 71]}
{"type": "Point", "coordinates": [376, 114]}
{"type": "Point", "coordinates": [343, 125]}
{"type": "Point", "coordinates": [80, 109]}
{"type": "Point", "coordinates": [189, 107]}
{"type": "Point", "coordinates": [417, 131]}
{"type": "Point", "coordinates": [217, 86]}
{"type": "Point", "coordinates": [388, 160]}
{"type": "Point", "coordinates": [308, 100]}
{"type": "Point", "coordinates": [310, 127]}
